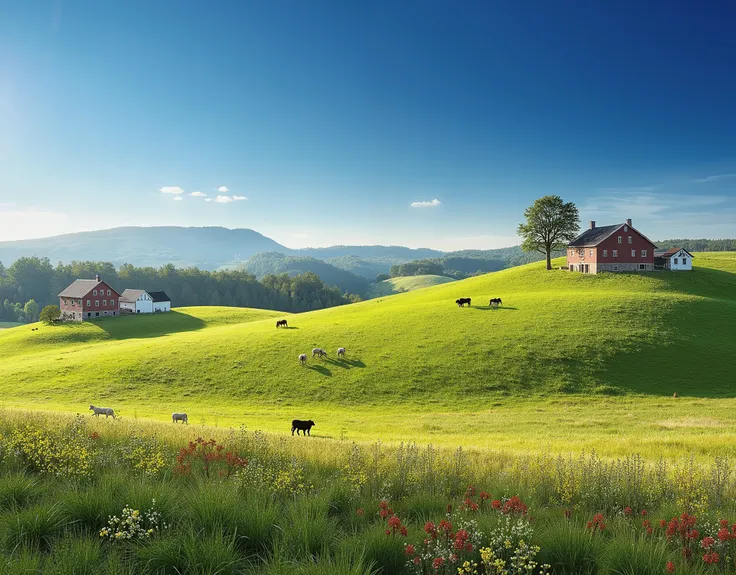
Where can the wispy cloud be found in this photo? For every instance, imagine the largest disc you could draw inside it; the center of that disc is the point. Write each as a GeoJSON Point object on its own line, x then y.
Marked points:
{"type": "Point", "coordinates": [178, 199]}
{"type": "Point", "coordinates": [198, 194]}
{"type": "Point", "coordinates": [712, 178]}
{"type": "Point", "coordinates": [627, 190]}
{"type": "Point", "coordinates": [648, 206]}
{"type": "Point", "coordinates": [430, 204]}
{"type": "Point", "coordinates": [171, 190]}
{"type": "Point", "coordinates": [223, 189]}
{"type": "Point", "coordinates": [226, 199]}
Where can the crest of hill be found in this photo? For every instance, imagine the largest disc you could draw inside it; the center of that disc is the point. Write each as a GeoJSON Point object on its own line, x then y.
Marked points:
{"type": "Point", "coordinates": [404, 284]}
{"type": "Point", "coordinates": [557, 332]}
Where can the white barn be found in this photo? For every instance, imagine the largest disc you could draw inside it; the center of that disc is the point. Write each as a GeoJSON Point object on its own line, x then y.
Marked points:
{"type": "Point", "coordinates": [674, 259]}
{"type": "Point", "coordinates": [136, 301]}
{"type": "Point", "coordinates": [161, 302]}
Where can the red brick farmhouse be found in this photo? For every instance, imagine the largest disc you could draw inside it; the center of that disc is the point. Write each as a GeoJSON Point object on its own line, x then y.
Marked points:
{"type": "Point", "coordinates": [88, 299]}
{"type": "Point", "coordinates": [616, 248]}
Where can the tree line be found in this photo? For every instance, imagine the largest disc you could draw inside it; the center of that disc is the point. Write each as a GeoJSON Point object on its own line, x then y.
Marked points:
{"type": "Point", "coordinates": [31, 283]}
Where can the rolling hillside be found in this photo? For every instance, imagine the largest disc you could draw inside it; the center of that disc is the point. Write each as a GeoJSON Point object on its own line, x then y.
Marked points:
{"type": "Point", "coordinates": [404, 284]}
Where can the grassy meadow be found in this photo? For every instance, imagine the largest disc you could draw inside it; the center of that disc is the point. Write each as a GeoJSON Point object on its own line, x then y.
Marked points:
{"type": "Point", "coordinates": [569, 362]}
{"type": "Point", "coordinates": [393, 286]}
{"type": "Point", "coordinates": [8, 324]}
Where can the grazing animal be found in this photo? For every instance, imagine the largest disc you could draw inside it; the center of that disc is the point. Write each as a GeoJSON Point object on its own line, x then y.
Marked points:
{"type": "Point", "coordinates": [106, 411]}
{"type": "Point", "coordinates": [674, 394]}
{"type": "Point", "coordinates": [319, 352]}
{"type": "Point", "coordinates": [179, 417]}
{"type": "Point", "coordinates": [340, 352]}
{"type": "Point", "coordinates": [462, 301]}
{"type": "Point", "coordinates": [495, 302]}
{"type": "Point", "coordinates": [281, 323]}
{"type": "Point", "coordinates": [303, 426]}
{"type": "Point", "coordinates": [302, 358]}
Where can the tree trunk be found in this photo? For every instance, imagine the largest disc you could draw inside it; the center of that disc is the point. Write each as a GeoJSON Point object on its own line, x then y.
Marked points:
{"type": "Point", "coordinates": [549, 259]}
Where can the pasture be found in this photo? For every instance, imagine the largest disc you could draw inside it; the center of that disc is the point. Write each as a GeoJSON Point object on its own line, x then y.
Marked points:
{"type": "Point", "coordinates": [569, 362]}
{"type": "Point", "coordinates": [8, 324]}
{"type": "Point", "coordinates": [404, 284]}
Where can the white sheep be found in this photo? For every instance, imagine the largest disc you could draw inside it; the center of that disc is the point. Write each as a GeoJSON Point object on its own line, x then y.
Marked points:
{"type": "Point", "coordinates": [106, 411]}
{"type": "Point", "coordinates": [319, 352]}
{"type": "Point", "coordinates": [179, 417]}
{"type": "Point", "coordinates": [340, 352]}
{"type": "Point", "coordinates": [302, 358]}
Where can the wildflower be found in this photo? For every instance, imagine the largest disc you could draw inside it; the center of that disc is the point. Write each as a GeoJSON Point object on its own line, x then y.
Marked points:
{"type": "Point", "coordinates": [404, 531]}
{"type": "Point", "coordinates": [707, 542]}
{"type": "Point", "coordinates": [670, 567]}
{"type": "Point", "coordinates": [388, 532]}
{"type": "Point", "coordinates": [496, 504]}
{"type": "Point", "coordinates": [723, 534]}
{"type": "Point", "coordinates": [627, 511]}
{"type": "Point", "coordinates": [410, 549]}
{"type": "Point", "coordinates": [437, 563]}
{"type": "Point", "coordinates": [484, 495]}
{"type": "Point", "coordinates": [417, 561]}
{"type": "Point", "coordinates": [711, 558]}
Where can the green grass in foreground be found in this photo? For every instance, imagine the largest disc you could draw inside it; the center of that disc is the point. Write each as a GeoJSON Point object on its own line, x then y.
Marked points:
{"type": "Point", "coordinates": [404, 284]}
{"type": "Point", "coordinates": [571, 361]}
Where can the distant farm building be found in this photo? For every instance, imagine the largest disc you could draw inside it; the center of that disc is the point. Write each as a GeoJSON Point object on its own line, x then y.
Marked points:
{"type": "Point", "coordinates": [616, 248]}
{"type": "Point", "coordinates": [136, 301]}
{"type": "Point", "coordinates": [161, 302]}
{"type": "Point", "coordinates": [88, 299]}
{"type": "Point", "coordinates": [674, 259]}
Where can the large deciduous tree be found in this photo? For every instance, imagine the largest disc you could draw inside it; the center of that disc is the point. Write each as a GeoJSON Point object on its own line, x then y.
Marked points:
{"type": "Point", "coordinates": [551, 224]}
{"type": "Point", "coordinates": [50, 314]}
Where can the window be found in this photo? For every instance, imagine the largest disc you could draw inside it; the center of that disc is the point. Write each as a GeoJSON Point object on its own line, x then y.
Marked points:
{"type": "Point", "coordinates": [619, 239]}
{"type": "Point", "coordinates": [108, 292]}
{"type": "Point", "coordinates": [633, 253]}
{"type": "Point", "coordinates": [97, 314]}
{"type": "Point", "coordinates": [605, 253]}
{"type": "Point", "coordinates": [675, 261]}
{"type": "Point", "coordinates": [626, 228]}
{"type": "Point", "coordinates": [684, 261]}
{"type": "Point", "coordinates": [643, 253]}
{"type": "Point", "coordinates": [113, 313]}
{"type": "Point", "coordinates": [97, 303]}
{"type": "Point", "coordinates": [629, 239]}
{"type": "Point", "coordinates": [615, 268]}
{"type": "Point", "coordinates": [642, 266]}
{"type": "Point", "coordinates": [591, 253]}
{"type": "Point", "coordinates": [89, 303]}
{"type": "Point", "coordinates": [104, 303]}
{"type": "Point", "coordinates": [615, 253]}
{"type": "Point", "coordinates": [94, 292]}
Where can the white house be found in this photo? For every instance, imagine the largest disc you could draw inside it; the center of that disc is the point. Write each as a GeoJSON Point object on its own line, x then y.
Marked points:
{"type": "Point", "coordinates": [161, 302]}
{"type": "Point", "coordinates": [136, 301]}
{"type": "Point", "coordinates": [674, 259]}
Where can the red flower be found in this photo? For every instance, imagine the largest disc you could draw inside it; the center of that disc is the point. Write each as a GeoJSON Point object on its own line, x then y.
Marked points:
{"type": "Point", "coordinates": [723, 523]}
{"type": "Point", "coordinates": [723, 534]}
{"type": "Point", "coordinates": [662, 523]}
{"type": "Point", "coordinates": [711, 558]}
{"type": "Point", "coordinates": [496, 504]}
{"type": "Point", "coordinates": [485, 495]}
{"type": "Point", "coordinates": [410, 549]}
{"type": "Point", "coordinates": [650, 530]}
{"type": "Point", "coordinates": [430, 529]}
{"type": "Point", "coordinates": [627, 511]}
{"type": "Point", "coordinates": [394, 522]}
{"type": "Point", "coordinates": [404, 531]}
{"type": "Point", "coordinates": [670, 566]}
{"type": "Point", "coordinates": [707, 542]}
{"type": "Point", "coordinates": [643, 512]}
{"type": "Point", "coordinates": [589, 525]}
{"type": "Point", "coordinates": [388, 532]}
{"type": "Point", "coordinates": [417, 560]}
{"type": "Point", "coordinates": [437, 563]}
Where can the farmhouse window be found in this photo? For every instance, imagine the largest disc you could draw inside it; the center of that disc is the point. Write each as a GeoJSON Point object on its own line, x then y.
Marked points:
{"type": "Point", "coordinates": [108, 292]}
{"type": "Point", "coordinates": [633, 253]}
{"type": "Point", "coordinates": [675, 261]}
{"type": "Point", "coordinates": [97, 303]}
{"type": "Point", "coordinates": [94, 292]}
{"type": "Point", "coordinates": [684, 261]}
{"type": "Point", "coordinates": [642, 266]}
{"type": "Point", "coordinates": [89, 303]}
{"type": "Point", "coordinates": [626, 228]}
{"type": "Point", "coordinates": [643, 253]}
{"type": "Point", "coordinates": [619, 239]}
{"type": "Point", "coordinates": [591, 253]}
{"type": "Point", "coordinates": [104, 303]}
{"type": "Point", "coordinates": [605, 253]}
{"type": "Point", "coordinates": [629, 239]}
{"type": "Point", "coordinates": [615, 268]}
{"type": "Point", "coordinates": [615, 253]}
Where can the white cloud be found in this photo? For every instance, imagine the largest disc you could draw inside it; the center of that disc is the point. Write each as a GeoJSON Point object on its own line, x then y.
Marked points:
{"type": "Point", "coordinates": [226, 199]}
{"type": "Point", "coordinates": [178, 199]}
{"type": "Point", "coordinates": [198, 194]}
{"type": "Point", "coordinates": [712, 178]}
{"type": "Point", "coordinates": [431, 204]}
{"type": "Point", "coordinates": [223, 189]}
{"type": "Point", "coordinates": [171, 190]}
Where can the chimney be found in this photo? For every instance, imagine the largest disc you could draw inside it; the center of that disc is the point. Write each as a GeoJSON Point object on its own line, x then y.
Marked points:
{"type": "Point", "coordinates": [97, 278]}
{"type": "Point", "coordinates": [592, 224]}
{"type": "Point", "coordinates": [628, 222]}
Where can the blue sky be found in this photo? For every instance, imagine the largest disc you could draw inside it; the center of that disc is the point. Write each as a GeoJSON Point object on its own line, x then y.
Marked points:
{"type": "Point", "coordinates": [328, 120]}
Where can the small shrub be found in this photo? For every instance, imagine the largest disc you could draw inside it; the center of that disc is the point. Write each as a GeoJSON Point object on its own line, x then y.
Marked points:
{"type": "Point", "coordinates": [18, 490]}
{"type": "Point", "coordinates": [134, 525]}
{"type": "Point", "coordinates": [32, 528]}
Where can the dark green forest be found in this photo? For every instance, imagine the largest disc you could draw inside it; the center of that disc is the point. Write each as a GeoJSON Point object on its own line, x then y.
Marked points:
{"type": "Point", "coordinates": [31, 283]}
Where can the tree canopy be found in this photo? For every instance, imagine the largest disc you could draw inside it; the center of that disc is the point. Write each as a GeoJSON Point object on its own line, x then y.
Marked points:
{"type": "Point", "coordinates": [550, 225]}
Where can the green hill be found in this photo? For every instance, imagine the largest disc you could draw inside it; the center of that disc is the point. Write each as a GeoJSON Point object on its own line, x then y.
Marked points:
{"type": "Point", "coordinates": [418, 353]}
{"type": "Point", "coordinates": [404, 284]}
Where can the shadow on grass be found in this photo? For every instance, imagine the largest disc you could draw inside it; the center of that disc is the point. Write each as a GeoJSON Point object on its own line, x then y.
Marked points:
{"type": "Point", "coordinates": [320, 369]}
{"type": "Point", "coordinates": [147, 325]}
{"type": "Point", "coordinates": [488, 308]}
{"type": "Point", "coordinates": [347, 363]}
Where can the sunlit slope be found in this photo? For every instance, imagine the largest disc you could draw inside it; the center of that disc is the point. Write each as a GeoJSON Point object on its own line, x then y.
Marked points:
{"type": "Point", "coordinates": [403, 284]}
{"type": "Point", "coordinates": [557, 332]}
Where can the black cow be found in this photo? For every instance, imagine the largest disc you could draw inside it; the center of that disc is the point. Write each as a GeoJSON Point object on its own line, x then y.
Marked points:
{"type": "Point", "coordinates": [299, 425]}
{"type": "Point", "coordinates": [462, 301]}
{"type": "Point", "coordinates": [281, 323]}
{"type": "Point", "coordinates": [495, 302]}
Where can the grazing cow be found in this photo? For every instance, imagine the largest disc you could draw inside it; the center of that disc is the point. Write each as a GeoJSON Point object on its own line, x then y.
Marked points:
{"type": "Point", "coordinates": [462, 301]}
{"type": "Point", "coordinates": [106, 411]}
{"type": "Point", "coordinates": [281, 323]}
{"type": "Point", "coordinates": [303, 426]}
{"type": "Point", "coordinates": [179, 417]}
{"type": "Point", "coordinates": [302, 358]}
{"type": "Point", "coordinates": [340, 352]}
{"type": "Point", "coordinates": [495, 302]}
{"type": "Point", "coordinates": [319, 352]}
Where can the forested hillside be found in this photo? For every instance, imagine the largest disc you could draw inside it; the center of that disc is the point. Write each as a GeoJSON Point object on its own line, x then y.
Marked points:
{"type": "Point", "coordinates": [36, 280]}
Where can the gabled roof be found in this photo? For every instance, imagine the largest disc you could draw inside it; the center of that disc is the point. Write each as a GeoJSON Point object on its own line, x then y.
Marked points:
{"type": "Point", "coordinates": [595, 236]}
{"type": "Point", "coordinates": [80, 288]}
{"type": "Point", "coordinates": [159, 296]}
{"type": "Point", "coordinates": [598, 234]}
{"type": "Point", "coordinates": [132, 295]}
{"type": "Point", "coordinates": [671, 252]}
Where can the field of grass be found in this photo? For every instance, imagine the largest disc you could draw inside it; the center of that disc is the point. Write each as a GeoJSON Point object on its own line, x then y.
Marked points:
{"type": "Point", "coordinates": [399, 285]}
{"type": "Point", "coordinates": [8, 324]}
{"type": "Point", "coordinates": [570, 362]}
